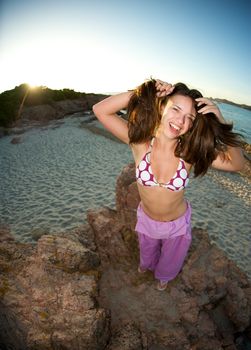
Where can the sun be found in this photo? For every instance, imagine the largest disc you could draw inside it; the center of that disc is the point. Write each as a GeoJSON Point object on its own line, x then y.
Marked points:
{"type": "Point", "coordinates": [32, 87]}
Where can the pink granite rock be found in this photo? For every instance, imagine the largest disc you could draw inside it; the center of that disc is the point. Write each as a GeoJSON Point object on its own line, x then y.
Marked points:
{"type": "Point", "coordinates": [127, 196]}
{"type": "Point", "coordinates": [48, 296]}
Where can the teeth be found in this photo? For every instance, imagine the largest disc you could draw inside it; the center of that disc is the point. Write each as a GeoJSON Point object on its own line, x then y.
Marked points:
{"type": "Point", "coordinates": [175, 127]}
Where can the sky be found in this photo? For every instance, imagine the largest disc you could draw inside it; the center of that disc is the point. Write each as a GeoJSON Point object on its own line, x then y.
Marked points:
{"type": "Point", "coordinates": [109, 46]}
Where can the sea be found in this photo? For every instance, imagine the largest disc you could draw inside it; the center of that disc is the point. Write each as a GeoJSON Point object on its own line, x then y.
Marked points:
{"type": "Point", "coordinates": [62, 169]}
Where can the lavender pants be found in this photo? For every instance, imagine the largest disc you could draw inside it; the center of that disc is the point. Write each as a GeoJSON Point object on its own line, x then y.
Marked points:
{"type": "Point", "coordinates": [163, 244]}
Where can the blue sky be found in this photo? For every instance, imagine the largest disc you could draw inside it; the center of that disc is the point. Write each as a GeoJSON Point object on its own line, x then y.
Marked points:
{"type": "Point", "coordinates": [112, 46]}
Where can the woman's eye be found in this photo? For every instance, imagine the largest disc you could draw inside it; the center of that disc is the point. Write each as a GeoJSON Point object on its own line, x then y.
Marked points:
{"type": "Point", "coordinates": [191, 119]}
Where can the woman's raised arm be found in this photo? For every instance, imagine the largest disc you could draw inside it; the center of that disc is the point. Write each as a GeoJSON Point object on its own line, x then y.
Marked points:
{"type": "Point", "coordinates": [233, 160]}
{"type": "Point", "coordinates": [106, 112]}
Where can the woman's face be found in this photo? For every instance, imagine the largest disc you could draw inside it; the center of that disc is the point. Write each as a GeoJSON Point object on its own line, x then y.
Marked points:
{"type": "Point", "coordinates": [177, 116]}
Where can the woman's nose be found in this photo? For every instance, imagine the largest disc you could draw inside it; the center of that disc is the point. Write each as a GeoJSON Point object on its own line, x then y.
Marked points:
{"type": "Point", "coordinates": [181, 118]}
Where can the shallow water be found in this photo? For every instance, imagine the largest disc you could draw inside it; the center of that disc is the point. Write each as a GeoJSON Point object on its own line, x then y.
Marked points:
{"type": "Point", "coordinates": [58, 172]}
{"type": "Point", "coordinates": [240, 117]}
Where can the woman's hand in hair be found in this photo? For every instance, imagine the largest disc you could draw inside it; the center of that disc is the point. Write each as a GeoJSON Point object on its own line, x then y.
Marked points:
{"type": "Point", "coordinates": [209, 107]}
{"type": "Point", "coordinates": [163, 88]}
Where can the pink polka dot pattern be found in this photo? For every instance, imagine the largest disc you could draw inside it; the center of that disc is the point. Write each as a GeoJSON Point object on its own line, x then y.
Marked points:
{"type": "Point", "coordinates": [145, 177]}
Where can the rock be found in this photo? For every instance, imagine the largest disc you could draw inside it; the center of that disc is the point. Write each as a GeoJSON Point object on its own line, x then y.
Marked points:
{"type": "Point", "coordinates": [173, 338]}
{"type": "Point", "coordinates": [204, 344]}
{"type": "Point", "coordinates": [66, 254]}
{"type": "Point", "coordinates": [189, 310]}
{"type": "Point", "coordinates": [127, 196]}
{"type": "Point", "coordinates": [48, 296]}
{"type": "Point", "coordinates": [195, 310]}
{"type": "Point", "coordinates": [5, 233]}
{"type": "Point", "coordinates": [58, 109]}
{"type": "Point", "coordinates": [237, 305]}
{"type": "Point", "coordinates": [107, 230]}
{"type": "Point", "coordinates": [16, 140]}
{"type": "Point", "coordinates": [126, 337]}
{"type": "Point", "coordinates": [38, 233]}
{"type": "Point", "coordinates": [83, 234]}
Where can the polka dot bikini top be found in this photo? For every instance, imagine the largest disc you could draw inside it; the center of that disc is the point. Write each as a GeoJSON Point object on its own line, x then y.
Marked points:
{"type": "Point", "coordinates": [145, 177]}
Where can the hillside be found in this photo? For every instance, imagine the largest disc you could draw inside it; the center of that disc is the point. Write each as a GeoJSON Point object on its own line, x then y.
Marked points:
{"type": "Point", "coordinates": [40, 101]}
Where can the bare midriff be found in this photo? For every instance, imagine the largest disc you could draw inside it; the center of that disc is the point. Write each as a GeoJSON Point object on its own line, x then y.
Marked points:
{"type": "Point", "coordinates": [162, 204]}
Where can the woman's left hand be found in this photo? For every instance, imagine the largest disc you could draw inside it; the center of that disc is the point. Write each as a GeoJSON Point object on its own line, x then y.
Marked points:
{"type": "Point", "coordinates": [163, 88]}
{"type": "Point", "coordinates": [209, 107]}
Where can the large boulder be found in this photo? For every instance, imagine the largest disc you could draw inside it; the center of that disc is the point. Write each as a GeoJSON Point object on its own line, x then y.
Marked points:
{"type": "Point", "coordinates": [59, 109]}
{"type": "Point", "coordinates": [127, 196]}
{"type": "Point", "coordinates": [48, 295]}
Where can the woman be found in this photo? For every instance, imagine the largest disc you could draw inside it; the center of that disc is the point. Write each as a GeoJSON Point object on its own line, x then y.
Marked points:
{"type": "Point", "coordinates": [170, 129]}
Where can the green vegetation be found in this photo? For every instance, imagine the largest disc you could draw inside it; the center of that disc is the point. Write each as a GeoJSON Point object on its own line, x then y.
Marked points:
{"type": "Point", "coordinates": [12, 101]}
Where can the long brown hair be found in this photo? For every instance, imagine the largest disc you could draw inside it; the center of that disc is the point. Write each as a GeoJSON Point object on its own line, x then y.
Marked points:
{"type": "Point", "coordinates": [200, 146]}
{"type": "Point", "coordinates": [207, 139]}
{"type": "Point", "coordinates": [143, 113]}
{"type": "Point", "coordinates": [144, 109]}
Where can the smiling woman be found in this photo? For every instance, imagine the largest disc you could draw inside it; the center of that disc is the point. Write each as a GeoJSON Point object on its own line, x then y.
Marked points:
{"type": "Point", "coordinates": [170, 130]}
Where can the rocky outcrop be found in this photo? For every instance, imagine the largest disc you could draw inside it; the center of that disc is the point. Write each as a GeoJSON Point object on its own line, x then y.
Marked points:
{"type": "Point", "coordinates": [81, 290]}
{"type": "Point", "coordinates": [57, 109]}
{"type": "Point", "coordinates": [127, 197]}
{"type": "Point", "coordinates": [48, 295]}
{"type": "Point", "coordinates": [41, 115]}
{"type": "Point", "coordinates": [208, 306]}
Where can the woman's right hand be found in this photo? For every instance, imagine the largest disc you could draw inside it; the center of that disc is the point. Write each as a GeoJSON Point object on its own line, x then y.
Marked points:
{"type": "Point", "coordinates": [163, 88]}
{"type": "Point", "coordinates": [209, 107]}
